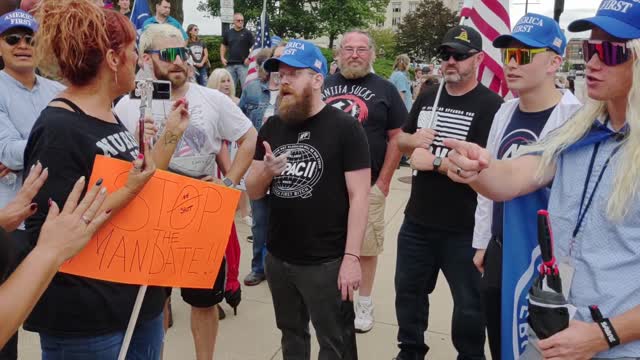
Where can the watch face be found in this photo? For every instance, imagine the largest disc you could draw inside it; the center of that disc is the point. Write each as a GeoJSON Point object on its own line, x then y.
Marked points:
{"type": "Point", "coordinates": [227, 182]}
{"type": "Point", "coordinates": [437, 161]}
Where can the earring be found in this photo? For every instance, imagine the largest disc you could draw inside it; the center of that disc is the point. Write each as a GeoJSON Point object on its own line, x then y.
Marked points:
{"type": "Point", "coordinates": [116, 75]}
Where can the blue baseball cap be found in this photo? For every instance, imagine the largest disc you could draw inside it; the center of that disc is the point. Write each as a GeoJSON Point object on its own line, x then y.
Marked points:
{"type": "Point", "coordinates": [275, 41]}
{"type": "Point", "coordinates": [617, 18]}
{"type": "Point", "coordinates": [18, 18]}
{"type": "Point", "coordinates": [536, 31]}
{"type": "Point", "coordinates": [299, 54]}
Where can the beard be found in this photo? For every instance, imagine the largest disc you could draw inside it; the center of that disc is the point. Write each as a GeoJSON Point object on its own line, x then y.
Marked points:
{"type": "Point", "coordinates": [175, 74]}
{"type": "Point", "coordinates": [354, 70]}
{"type": "Point", "coordinates": [295, 108]}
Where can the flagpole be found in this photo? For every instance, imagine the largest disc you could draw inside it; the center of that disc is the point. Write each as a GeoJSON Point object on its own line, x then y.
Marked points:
{"type": "Point", "coordinates": [263, 15]}
{"type": "Point", "coordinates": [432, 118]}
{"type": "Point", "coordinates": [131, 11]}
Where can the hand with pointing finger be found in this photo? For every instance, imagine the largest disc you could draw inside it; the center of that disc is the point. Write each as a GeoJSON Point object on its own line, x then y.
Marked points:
{"type": "Point", "coordinates": [467, 160]}
{"type": "Point", "coordinates": [272, 164]}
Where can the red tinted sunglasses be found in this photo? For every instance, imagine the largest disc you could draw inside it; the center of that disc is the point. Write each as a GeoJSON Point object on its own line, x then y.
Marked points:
{"type": "Point", "coordinates": [610, 53]}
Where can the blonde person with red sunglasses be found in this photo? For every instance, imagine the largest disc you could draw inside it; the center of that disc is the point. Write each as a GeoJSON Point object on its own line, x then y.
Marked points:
{"type": "Point", "coordinates": [532, 53]}
{"type": "Point", "coordinates": [593, 206]}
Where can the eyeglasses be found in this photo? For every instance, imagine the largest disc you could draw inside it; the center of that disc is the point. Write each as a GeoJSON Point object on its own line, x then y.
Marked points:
{"type": "Point", "coordinates": [610, 53]}
{"type": "Point", "coordinates": [292, 75]}
{"type": "Point", "coordinates": [522, 56]}
{"type": "Point", "coordinates": [171, 54]}
{"type": "Point", "coordinates": [360, 51]}
{"type": "Point", "coordinates": [14, 39]}
{"type": "Point", "coordinates": [239, 20]}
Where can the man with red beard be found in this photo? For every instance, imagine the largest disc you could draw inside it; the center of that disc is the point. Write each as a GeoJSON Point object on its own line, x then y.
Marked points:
{"type": "Point", "coordinates": [214, 118]}
{"type": "Point", "coordinates": [376, 103]}
{"type": "Point", "coordinates": [318, 177]}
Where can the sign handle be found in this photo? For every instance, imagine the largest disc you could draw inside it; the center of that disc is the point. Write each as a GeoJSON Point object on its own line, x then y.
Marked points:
{"type": "Point", "coordinates": [132, 323]}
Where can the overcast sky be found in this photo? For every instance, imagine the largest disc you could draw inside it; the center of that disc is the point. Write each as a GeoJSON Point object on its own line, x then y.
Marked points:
{"type": "Point", "coordinates": [574, 9]}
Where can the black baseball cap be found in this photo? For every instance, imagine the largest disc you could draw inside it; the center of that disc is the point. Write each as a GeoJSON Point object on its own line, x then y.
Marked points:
{"type": "Point", "coordinates": [462, 39]}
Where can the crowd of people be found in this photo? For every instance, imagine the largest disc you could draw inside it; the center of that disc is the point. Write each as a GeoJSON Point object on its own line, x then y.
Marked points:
{"type": "Point", "coordinates": [314, 148]}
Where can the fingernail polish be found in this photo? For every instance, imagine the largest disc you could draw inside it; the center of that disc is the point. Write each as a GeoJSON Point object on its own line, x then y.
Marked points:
{"type": "Point", "coordinates": [108, 212]}
{"type": "Point", "coordinates": [140, 156]}
{"type": "Point", "coordinates": [33, 206]}
{"type": "Point", "coordinates": [50, 202]}
{"type": "Point", "coordinates": [81, 179]}
{"type": "Point", "coordinates": [99, 182]}
{"type": "Point", "coordinates": [103, 190]}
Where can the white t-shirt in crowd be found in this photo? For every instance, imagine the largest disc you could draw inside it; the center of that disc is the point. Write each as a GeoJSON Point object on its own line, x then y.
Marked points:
{"type": "Point", "coordinates": [214, 117]}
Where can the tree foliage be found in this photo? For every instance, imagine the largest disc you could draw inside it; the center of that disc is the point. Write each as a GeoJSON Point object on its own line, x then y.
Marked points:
{"type": "Point", "coordinates": [307, 18]}
{"type": "Point", "coordinates": [386, 44]}
{"type": "Point", "coordinates": [421, 31]}
{"type": "Point", "coordinates": [338, 16]}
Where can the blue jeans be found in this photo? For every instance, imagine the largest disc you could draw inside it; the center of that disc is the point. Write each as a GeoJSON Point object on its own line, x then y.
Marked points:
{"type": "Point", "coordinates": [201, 75]}
{"type": "Point", "coordinates": [238, 73]}
{"type": "Point", "coordinates": [146, 344]}
{"type": "Point", "coordinates": [422, 253]}
{"type": "Point", "coordinates": [259, 229]}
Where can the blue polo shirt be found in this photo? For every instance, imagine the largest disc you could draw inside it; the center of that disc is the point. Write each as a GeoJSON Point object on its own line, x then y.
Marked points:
{"type": "Point", "coordinates": [605, 252]}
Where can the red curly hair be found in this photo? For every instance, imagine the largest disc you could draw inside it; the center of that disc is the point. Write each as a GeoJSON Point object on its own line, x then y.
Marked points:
{"type": "Point", "coordinates": [74, 37]}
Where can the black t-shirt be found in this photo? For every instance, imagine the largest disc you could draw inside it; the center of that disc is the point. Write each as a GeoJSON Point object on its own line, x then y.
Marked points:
{"type": "Point", "coordinates": [309, 203]}
{"type": "Point", "coordinates": [524, 128]}
{"type": "Point", "coordinates": [377, 105]}
{"type": "Point", "coordinates": [197, 50]}
{"type": "Point", "coordinates": [437, 201]}
{"type": "Point", "coordinates": [67, 142]}
{"type": "Point", "coordinates": [238, 43]}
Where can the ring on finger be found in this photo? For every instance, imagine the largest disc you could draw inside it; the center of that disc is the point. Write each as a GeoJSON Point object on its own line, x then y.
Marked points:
{"type": "Point", "coordinates": [458, 171]}
{"type": "Point", "coordinates": [86, 220]}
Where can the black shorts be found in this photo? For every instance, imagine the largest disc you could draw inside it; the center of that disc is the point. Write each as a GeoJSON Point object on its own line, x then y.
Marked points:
{"type": "Point", "coordinates": [204, 298]}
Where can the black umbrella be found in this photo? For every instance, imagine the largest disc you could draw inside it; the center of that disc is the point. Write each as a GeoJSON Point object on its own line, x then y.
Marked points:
{"type": "Point", "coordinates": [548, 308]}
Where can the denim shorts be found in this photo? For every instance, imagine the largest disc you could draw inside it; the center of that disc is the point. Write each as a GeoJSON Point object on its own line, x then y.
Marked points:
{"type": "Point", "coordinates": [146, 344]}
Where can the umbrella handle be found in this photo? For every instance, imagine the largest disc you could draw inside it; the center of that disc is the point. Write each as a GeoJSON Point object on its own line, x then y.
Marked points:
{"type": "Point", "coordinates": [545, 237]}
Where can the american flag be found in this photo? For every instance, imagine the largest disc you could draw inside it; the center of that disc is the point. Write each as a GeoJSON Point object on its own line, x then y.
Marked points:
{"type": "Point", "coordinates": [263, 40]}
{"type": "Point", "coordinates": [491, 19]}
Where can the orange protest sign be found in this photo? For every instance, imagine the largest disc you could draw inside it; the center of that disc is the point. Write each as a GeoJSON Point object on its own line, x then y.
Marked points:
{"type": "Point", "coordinates": [173, 233]}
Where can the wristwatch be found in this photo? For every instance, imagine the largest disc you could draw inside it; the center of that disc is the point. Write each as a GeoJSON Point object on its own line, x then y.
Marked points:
{"type": "Point", "coordinates": [436, 163]}
{"type": "Point", "coordinates": [228, 183]}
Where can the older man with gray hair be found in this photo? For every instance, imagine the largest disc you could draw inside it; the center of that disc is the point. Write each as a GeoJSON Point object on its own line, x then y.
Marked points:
{"type": "Point", "coordinates": [377, 105]}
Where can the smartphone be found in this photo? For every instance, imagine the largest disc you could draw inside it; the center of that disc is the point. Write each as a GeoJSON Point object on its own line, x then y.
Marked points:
{"type": "Point", "coordinates": [161, 90]}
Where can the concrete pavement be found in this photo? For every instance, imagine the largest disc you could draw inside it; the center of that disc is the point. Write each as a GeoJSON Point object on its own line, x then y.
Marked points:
{"type": "Point", "coordinates": [252, 334]}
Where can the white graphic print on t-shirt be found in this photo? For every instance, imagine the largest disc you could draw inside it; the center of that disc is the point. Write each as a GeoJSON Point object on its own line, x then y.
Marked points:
{"type": "Point", "coordinates": [449, 123]}
{"type": "Point", "coordinates": [119, 143]}
{"type": "Point", "coordinates": [303, 171]}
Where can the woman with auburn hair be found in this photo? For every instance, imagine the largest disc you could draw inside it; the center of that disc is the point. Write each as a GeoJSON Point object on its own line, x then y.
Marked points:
{"type": "Point", "coordinates": [93, 50]}
{"type": "Point", "coordinates": [594, 204]}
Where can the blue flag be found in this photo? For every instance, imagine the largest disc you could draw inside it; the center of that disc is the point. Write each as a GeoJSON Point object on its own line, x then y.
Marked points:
{"type": "Point", "coordinates": [520, 262]}
{"type": "Point", "coordinates": [139, 14]}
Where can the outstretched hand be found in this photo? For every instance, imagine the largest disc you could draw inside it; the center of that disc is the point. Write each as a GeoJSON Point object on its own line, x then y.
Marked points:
{"type": "Point", "coordinates": [466, 159]}
{"type": "Point", "coordinates": [21, 207]}
{"type": "Point", "coordinates": [274, 165]}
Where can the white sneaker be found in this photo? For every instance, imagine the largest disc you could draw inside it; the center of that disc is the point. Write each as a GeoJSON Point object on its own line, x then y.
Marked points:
{"type": "Point", "coordinates": [364, 317]}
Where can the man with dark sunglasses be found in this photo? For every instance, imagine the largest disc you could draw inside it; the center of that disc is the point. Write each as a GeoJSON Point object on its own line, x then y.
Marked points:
{"type": "Point", "coordinates": [235, 49]}
{"type": "Point", "coordinates": [532, 54]}
{"type": "Point", "coordinates": [213, 118]}
{"type": "Point", "coordinates": [438, 227]}
{"type": "Point", "coordinates": [23, 95]}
